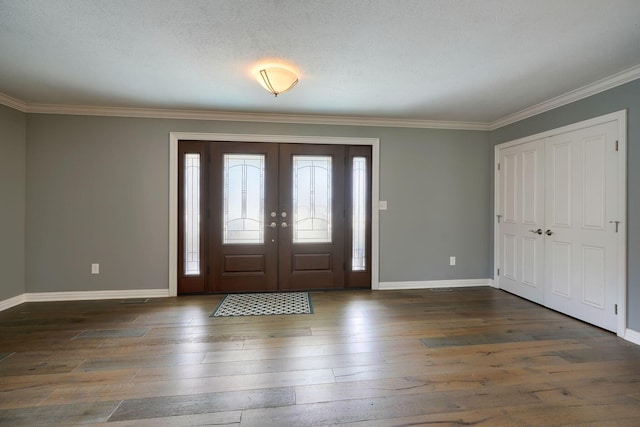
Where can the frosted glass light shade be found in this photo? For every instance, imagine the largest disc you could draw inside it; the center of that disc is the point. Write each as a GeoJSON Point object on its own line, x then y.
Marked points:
{"type": "Point", "coordinates": [277, 80]}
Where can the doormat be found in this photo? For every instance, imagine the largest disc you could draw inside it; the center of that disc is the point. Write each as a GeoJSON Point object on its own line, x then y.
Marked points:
{"type": "Point", "coordinates": [264, 304]}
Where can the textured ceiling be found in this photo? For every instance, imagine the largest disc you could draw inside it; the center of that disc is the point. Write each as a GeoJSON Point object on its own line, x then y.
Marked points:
{"type": "Point", "coordinates": [448, 60]}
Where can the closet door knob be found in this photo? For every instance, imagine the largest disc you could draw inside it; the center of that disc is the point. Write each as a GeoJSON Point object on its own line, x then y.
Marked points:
{"type": "Point", "coordinates": [548, 232]}
{"type": "Point", "coordinates": [538, 231]}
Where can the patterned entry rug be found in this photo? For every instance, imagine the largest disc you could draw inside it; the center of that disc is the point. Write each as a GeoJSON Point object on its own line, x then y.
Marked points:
{"type": "Point", "coordinates": [263, 304]}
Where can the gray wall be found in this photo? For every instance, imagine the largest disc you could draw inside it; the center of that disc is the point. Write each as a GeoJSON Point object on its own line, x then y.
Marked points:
{"type": "Point", "coordinates": [622, 97]}
{"type": "Point", "coordinates": [436, 193]}
{"type": "Point", "coordinates": [97, 191]}
{"type": "Point", "coordinates": [12, 202]}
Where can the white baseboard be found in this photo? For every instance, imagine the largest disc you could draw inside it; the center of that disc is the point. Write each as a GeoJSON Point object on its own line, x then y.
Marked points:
{"type": "Point", "coordinates": [93, 295]}
{"type": "Point", "coordinates": [82, 296]}
{"type": "Point", "coordinates": [11, 302]}
{"type": "Point", "coordinates": [428, 284]}
{"type": "Point", "coordinates": [632, 336]}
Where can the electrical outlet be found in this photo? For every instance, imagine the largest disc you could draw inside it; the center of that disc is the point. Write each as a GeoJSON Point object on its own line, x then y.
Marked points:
{"type": "Point", "coordinates": [95, 268]}
{"type": "Point", "coordinates": [452, 260]}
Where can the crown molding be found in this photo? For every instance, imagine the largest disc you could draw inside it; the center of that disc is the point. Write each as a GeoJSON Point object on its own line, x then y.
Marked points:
{"type": "Point", "coordinates": [14, 103]}
{"type": "Point", "coordinates": [607, 83]}
{"type": "Point", "coordinates": [153, 113]}
{"type": "Point", "coordinates": [602, 85]}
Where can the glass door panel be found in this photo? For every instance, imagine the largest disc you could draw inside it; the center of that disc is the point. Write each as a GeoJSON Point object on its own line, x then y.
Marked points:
{"type": "Point", "coordinates": [312, 182]}
{"type": "Point", "coordinates": [243, 198]}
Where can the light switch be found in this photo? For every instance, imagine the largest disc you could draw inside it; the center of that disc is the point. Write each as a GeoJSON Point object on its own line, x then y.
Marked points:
{"type": "Point", "coordinates": [382, 205]}
{"type": "Point", "coordinates": [95, 268]}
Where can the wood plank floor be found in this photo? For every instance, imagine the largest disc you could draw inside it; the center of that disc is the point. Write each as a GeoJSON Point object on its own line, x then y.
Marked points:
{"type": "Point", "coordinates": [468, 357]}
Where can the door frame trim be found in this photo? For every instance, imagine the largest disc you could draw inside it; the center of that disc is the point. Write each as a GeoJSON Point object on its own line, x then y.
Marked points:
{"type": "Point", "coordinates": [174, 137]}
{"type": "Point", "coordinates": [621, 118]}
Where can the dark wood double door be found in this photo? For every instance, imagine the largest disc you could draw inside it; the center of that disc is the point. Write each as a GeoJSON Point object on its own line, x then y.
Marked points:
{"type": "Point", "coordinates": [273, 217]}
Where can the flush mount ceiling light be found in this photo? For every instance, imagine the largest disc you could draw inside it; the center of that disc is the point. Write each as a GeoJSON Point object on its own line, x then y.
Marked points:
{"type": "Point", "coordinates": [276, 79]}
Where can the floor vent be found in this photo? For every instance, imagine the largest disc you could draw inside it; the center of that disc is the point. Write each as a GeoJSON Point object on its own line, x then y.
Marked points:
{"type": "Point", "coordinates": [441, 290]}
{"type": "Point", "coordinates": [134, 301]}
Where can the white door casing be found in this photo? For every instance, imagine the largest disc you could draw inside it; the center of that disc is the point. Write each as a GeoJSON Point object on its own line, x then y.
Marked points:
{"type": "Point", "coordinates": [583, 254]}
{"type": "Point", "coordinates": [174, 137]}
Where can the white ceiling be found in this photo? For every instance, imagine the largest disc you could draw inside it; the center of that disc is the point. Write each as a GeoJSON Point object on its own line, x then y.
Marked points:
{"type": "Point", "coordinates": [440, 60]}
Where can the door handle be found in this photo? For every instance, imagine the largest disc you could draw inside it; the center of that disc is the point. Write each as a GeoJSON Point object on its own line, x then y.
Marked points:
{"type": "Point", "coordinates": [548, 232]}
{"type": "Point", "coordinates": [284, 225]}
{"type": "Point", "coordinates": [538, 231]}
{"type": "Point", "coordinates": [272, 225]}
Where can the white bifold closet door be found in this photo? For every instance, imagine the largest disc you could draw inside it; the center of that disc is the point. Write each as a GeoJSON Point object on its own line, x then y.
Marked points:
{"type": "Point", "coordinates": [557, 235]}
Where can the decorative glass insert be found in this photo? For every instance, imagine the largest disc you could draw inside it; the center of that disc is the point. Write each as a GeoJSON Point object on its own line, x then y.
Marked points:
{"type": "Point", "coordinates": [359, 215]}
{"type": "Point", "coordinates": [243, 199]}
{"type": "Point", "coordinates": [311, 199]}
{"type": "Point", "coordinates": [191, 214]}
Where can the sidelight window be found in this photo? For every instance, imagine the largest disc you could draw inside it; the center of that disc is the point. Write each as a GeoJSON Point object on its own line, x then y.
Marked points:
{"type": "Point", "coordinates": [359, 213]}
{"type": "Point", "coordinates": [192, 214]}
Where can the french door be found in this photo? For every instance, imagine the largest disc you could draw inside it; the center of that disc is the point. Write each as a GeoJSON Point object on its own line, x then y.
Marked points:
{"type": "Point", "coordinates": [267, 217]}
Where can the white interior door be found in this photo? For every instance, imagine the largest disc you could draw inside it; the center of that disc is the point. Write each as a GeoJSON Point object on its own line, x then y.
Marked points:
{"type": "Point", "coordinates": [581, 239]}
{"type": "Point", "coordinates": [570, 183]}
{"type": "Point", "coordinates": [521, 242]}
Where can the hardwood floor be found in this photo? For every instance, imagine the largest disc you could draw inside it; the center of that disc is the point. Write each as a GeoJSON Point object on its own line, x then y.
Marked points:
{"type": "Point", "coordinates": [474, 356]}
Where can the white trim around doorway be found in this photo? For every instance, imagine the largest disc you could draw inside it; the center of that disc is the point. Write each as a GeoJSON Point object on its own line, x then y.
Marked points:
{"type": "Point", "coordinates": [174, 137]}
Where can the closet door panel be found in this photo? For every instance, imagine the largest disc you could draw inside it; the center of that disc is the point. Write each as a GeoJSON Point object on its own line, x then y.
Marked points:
{"type": "Point", "coordinates": [522, 209]}
{"type": "Point", "coordinates": [581, 194]}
